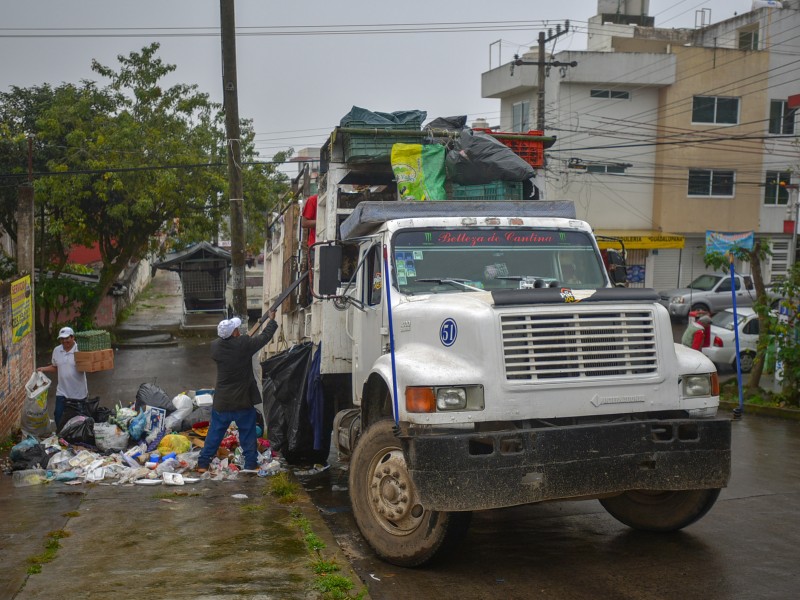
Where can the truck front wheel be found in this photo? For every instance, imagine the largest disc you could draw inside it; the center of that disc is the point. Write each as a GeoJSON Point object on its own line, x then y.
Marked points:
{"type": "Point", "coordinates": [386, 506]}
{"type": "Point", "coordinates": [660, 511]}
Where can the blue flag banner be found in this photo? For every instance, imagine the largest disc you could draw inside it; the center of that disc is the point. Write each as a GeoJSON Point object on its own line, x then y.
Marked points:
{"type": "Point", "coordinates": [723, 241]}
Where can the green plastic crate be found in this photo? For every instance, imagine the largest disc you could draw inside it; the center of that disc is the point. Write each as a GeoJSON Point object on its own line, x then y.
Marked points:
{"type": "Point", "coordinates": [93, 339]}
{"type": "Point", "coordinates": [365, 147]}
{"type": "Point", "coordinates": [496, 190]}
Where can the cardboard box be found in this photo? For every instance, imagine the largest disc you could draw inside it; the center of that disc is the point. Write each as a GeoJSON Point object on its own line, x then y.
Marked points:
{"type": "Point", "coordinates": [98, 360]}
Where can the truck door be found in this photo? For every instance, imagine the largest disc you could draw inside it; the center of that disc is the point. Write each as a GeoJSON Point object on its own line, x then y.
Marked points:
{"type": "Point", "coordinates": [368, 326]}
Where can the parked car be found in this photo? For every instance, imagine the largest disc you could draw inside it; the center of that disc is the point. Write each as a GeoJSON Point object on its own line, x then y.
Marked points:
{"type": "Point", "coordinates": [709, 293]}
{"type": "Point", "coordinates": [722, 350]}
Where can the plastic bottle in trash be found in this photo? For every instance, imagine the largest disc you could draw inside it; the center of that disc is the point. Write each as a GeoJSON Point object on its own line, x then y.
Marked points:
{"type": "Point", "coordinates": [152, 462]}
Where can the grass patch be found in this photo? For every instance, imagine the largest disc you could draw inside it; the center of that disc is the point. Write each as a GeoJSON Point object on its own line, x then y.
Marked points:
{"type": "Point", "coordinates": [51, 546]}
{"type": "Point", "coordinates": [6, 443]}
{"type": "Point", "coordinates": [252, 507]}
{"type": "Point", "coordinates": [283, 488]}
{"type": "Point", "coordinates": [332, 585]}
{"type": "Point", "coordinates": [70, 514]}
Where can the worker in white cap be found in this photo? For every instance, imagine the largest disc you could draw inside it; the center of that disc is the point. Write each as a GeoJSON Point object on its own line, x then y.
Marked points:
{"type": "Point", "coordinates": [71, 382]}
{"type": "Point", "coordinates": [237, 391]}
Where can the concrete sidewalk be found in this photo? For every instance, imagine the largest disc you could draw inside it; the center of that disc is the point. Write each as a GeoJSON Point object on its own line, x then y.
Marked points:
{"type": "Point", "coordinates": [192, 541]}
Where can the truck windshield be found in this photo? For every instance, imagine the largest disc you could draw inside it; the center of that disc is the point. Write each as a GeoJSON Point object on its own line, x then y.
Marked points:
{"type": "Point", "coordinates": [465, 260]}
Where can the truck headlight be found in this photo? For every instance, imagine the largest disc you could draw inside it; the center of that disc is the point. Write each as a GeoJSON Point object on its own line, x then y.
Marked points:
{"type": "Point", "coordinates": [677, 300]}
{"type": "Point", "coordinates": [451, 398]}
{"type": "Point", "coordinates": [424, 399]}
{"type": "Point", "coordinates": [706, 384]}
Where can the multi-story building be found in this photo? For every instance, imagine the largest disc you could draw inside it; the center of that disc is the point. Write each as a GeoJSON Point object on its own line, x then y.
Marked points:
{"type": "Point", "coordinates": [664, 134]}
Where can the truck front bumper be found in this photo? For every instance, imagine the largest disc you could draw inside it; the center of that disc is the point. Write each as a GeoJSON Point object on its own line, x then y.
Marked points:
{"type": "Point", "coordinates": [483, 470]}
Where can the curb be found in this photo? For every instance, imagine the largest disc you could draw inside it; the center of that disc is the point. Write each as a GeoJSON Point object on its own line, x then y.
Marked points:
{"type": "Point", "coordinates": [791, 414]}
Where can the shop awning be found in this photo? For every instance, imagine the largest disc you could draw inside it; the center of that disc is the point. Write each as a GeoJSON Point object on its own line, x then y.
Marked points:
{"type": "Point", "coordinates": [640, 239]}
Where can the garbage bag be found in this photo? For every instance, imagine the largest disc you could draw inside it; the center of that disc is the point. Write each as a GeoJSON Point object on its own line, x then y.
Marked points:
{"type": "Point", "coordinates": [149, 394]}
{"type": "Point", "coordinates": [285, 381]}
{"type": "Point", "coordinates": [137, 425]}
{"type": "Point", "coordinates": [174, 442]}
{"type": "Point", "coordinates": [79, 430]}
{"type": "Point", "coordinates": [110, 438]}
{"type": "Point", "coordinates": [480, 158]}
{"type": "Point", "coordinates": [73, 408]}
{"type": "Point", "coordinates": [183, 408]}
{"type": "Point", "coordinates": [419, 171]}
{"type": "Point", "coordinates": [35, 420]}
{"type": "Point", "coordinates": [102, 414]}
{"type": "Point", "coordinates": [28, 454]}
{"type": "Point", "coordinates": [198, 415]}
{"type": "Point", "coordinates": [448, 123]}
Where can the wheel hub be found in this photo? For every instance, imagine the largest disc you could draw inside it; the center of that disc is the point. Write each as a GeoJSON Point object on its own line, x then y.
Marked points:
{"type": "Point", "coordinates": [392, 496]}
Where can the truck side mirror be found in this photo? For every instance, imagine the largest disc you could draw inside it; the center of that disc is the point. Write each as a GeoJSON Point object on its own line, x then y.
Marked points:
{"type": "Point", "coordinates": [617, 271]}
{"type": "Point", "coordinates": [330, 269]}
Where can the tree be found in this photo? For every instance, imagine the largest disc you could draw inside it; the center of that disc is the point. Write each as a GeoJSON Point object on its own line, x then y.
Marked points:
{"type": "Point", "coordinates": [755, 257]}
{"type": "Point", "coordinates": [132, 159]}
{"type": "Point", "coordinates": [787, 334]}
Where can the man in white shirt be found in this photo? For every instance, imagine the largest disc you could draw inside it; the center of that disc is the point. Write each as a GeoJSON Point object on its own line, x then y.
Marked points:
{"type": "Point", "coordinates": [71, 382]}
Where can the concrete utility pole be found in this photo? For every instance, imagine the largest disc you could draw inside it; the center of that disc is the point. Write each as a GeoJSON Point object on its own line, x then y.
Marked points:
{"type": "Point", "coordinates": [231, 105]}
{"type": "Point", "coordinates": [542, 64]}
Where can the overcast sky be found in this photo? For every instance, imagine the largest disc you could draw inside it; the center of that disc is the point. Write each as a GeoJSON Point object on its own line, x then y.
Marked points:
{"type": "Point", "coordinates": [296, 77]}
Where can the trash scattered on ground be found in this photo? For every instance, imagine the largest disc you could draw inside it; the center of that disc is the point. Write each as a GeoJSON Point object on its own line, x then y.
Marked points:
{"type": "Point", "coordinates": [136, 445]}
{"type": "Point", "coordinates": [313, 470]}
{"type": "Point", "coordinates": [239, 496]}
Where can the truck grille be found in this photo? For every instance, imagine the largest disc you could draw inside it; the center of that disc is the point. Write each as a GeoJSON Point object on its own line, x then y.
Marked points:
{"type": "Point", "coordinates": [579, 345]}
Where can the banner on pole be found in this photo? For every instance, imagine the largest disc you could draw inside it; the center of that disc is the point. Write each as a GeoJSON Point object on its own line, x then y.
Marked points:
{"type": "Point", "coordinates": [724, 241]}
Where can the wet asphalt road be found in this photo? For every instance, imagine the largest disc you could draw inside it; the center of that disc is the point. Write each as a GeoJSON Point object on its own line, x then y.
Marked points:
{"type": "Point", "coordinates": [744, 548]}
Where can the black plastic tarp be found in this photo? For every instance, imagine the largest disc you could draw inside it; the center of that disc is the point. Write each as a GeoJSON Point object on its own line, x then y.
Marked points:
{"type": "Point", "coordinates": [285, 378]}
{"type": "Point", "coordinates": [361, 116]}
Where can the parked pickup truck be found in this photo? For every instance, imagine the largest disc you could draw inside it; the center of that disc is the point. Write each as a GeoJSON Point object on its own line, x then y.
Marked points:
{"type": "Point", "coordinates": [710, 293]}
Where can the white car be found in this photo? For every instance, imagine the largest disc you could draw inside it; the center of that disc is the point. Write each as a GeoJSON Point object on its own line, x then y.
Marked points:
{"type": "Point", "coordinates": [722, 350]}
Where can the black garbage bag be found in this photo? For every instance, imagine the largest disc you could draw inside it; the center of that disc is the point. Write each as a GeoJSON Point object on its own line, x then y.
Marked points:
{"type": "Point", "coordinates": [73, 408]}
{"type": "Point", "coordinates": [102, 414]}
{"type": "Point", "coordinates": [29, 456]}
{"type": "Point", "coordinates": [79, 430]}
{"type": "Point", "coordinates": [448, 123]}
{"type": "Point", "coordinates": [285, 382]}
{"type": "Point", "coordinates": [149, 394]}
{"type": "Point", "coordinates": [198, 415]}
{"type": "Point", "coordinates": [480, 158]}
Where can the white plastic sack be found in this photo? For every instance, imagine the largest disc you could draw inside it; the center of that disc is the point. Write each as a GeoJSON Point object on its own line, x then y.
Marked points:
{"type": "Point", "coordinates": [108, 436]}
{"type": "Point", "coordinates": [184, 406]}
{"type": "Point", "coordinates": [34, 419]}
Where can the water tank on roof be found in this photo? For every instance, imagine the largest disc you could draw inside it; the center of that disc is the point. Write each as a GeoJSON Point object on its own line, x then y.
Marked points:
{"type": "Point", "coordinates": [480, 123]}
{"type": "Point", "coordinates": [623, 7]}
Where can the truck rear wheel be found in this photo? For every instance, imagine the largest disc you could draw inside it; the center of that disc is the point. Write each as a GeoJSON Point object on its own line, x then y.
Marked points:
{"type": "Point", "coordinates": [386, 506]}
{"type": "Point", "coordinates": [660, 511]}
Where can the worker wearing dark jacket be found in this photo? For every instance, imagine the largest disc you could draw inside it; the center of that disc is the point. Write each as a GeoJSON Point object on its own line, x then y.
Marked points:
{"type": "Point", "coordinates": [237, 391]}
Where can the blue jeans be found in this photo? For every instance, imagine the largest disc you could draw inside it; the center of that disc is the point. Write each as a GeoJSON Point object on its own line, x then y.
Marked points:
{"type": "Point", "coordinates": [246, 422]}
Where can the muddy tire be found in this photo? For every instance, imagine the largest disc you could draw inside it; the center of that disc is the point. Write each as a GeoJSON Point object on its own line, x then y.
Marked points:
{"type": "Point", "coordinates": [660, 511]}
{"type": "Point", "coordinates": [386, 506]}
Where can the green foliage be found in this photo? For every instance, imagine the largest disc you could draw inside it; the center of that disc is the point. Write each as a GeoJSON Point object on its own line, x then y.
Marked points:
{"type": "Point", "coordinates": [8, 266]}
{"type": "Point", "coordinates": [60, 295]}
{"type": "Point", "coordinates": [787, 333]}
{"type": "Point", "coordinates": [139, 159]}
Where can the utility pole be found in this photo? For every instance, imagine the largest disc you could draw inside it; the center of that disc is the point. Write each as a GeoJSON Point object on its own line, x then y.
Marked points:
{"type": "Point", "coordinates": [543, 66]}
{"type": "Point", "coordinates": [231, 106]}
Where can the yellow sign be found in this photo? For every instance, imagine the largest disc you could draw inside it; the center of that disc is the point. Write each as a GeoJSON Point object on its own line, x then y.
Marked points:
{"type": "Point", "coordinates": [21, 308]}
{"type": "Point", "coordinates": [640, 240]}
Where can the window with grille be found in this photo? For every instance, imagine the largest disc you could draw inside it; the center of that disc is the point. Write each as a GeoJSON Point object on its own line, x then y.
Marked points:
{"type": "Point", "coordinates": [748, 38]}
{"type": "Point", "coordinates": [774, 194]}
{"type": "Point", "coordinates": [711, 182]}
{"type": "Point", "coordinates": [715, 109]}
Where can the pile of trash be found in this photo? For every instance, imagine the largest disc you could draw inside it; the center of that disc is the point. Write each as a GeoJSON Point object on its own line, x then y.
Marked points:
{"type": "Point", "coordinates": [155, 441]}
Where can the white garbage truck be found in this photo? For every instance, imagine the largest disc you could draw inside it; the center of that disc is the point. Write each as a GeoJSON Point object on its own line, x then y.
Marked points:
{"type": "Point", "coordinates": [479, 355]}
